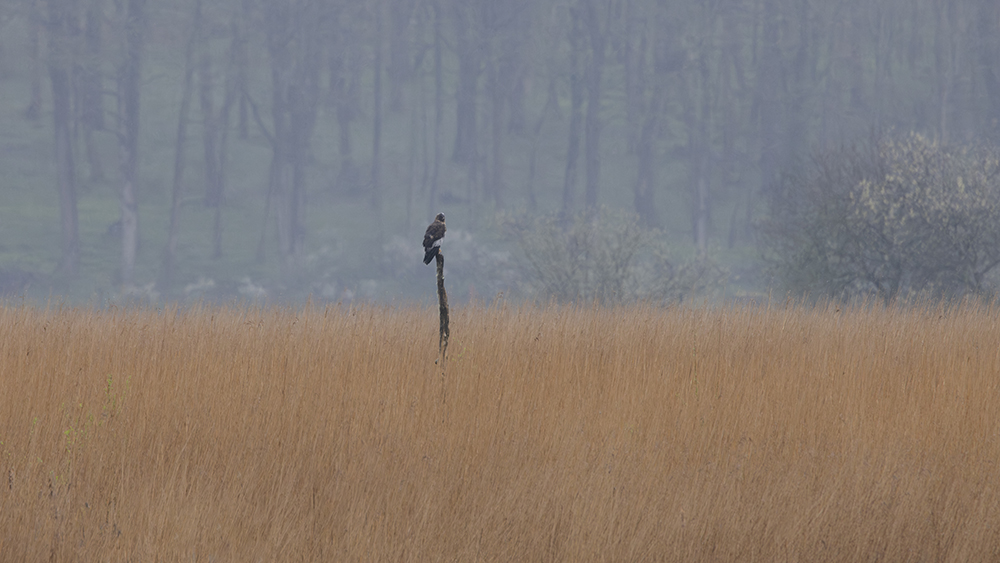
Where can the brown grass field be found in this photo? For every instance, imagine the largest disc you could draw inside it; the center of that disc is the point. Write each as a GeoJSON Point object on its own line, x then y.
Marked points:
{"type": "Point", "coordinates": [781, 433]}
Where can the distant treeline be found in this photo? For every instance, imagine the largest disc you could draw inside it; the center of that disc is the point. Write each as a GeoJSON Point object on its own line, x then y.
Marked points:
{"type": "Point", "coordinates": [537, 104]}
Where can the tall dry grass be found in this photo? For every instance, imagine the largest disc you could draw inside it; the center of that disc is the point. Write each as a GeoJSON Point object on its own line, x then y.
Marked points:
{"type": "Point", "coordinates": [558, 434]}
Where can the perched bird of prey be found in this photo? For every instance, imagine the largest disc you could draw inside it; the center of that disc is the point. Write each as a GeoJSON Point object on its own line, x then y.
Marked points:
{"type": "Point", "coordinates": [432, 238]}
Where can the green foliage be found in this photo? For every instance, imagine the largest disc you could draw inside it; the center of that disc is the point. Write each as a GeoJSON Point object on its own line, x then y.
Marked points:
{"type": "Point", "coordinates": [900, 217]}
{"type": "Point", "coordinates": [607, 257]}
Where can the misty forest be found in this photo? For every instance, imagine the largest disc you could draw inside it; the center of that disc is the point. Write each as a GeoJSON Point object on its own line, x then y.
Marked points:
{"type": "Point", "coordinates": [600, 150]}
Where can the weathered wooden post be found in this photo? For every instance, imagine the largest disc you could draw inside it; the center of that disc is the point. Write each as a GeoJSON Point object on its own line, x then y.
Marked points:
{"type": "Point", "coordinates": [442, 306]}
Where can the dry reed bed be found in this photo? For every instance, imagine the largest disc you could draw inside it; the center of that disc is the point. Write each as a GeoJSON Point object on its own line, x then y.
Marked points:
{"type": "Point", "coordinates": [553, 434]}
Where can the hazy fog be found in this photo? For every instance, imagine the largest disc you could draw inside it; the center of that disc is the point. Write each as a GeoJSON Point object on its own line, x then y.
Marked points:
{"type": "Point", "coordinates": [283, 149]}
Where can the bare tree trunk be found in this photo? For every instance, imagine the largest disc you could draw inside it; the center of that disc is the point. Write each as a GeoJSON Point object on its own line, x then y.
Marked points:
{"type": "Point", "coordinates": [278, 38]}
{"type": "Point", "coordinates": [279, 178]}
{"type": "Point", "coordinates": [234, 91]}
{"type": "Point", "coordinates": [209, 128]}
{"type": "Point", "coordinates": [216, 126]}
{"type": "Point", "coordinates": [376, 190]}
{"type": "Point", "coordinates": [575, 117]}
{"type": "Point", "coordinates": [516, 92]}
{"type": "Point", "coordinates": [989, 60]}
{"type": "Point", "coordinates": [399, 67]}
{"type": "Point", "coordinates": [304, 100]}
{"type": "Point", "coordinates": [598, 39]}
{"type": "Point", "coordinates": [217, 222]}
{"type": "Point", "coordinates": [466, 150]}
{"type": "Point", "coordinates": [345, 73]}
{"type": "Point", "coordinates": [634, 63]}
{"type": "Point", "coordinates": [438, 107]}
{"type": "Point", "coordinates": [730, 122]}
{"type": "Point", "coordinates": [411, 163]}
{"type": "Point", "coordinates": [65, 172]}
{"type": "Point", "coordinates": [34, 109]}
{"type": "Point", "coordinates": [798, 92]}
{"type": "Point", "coordinates": [132, 19]}
{"type": "Point", "coordinates": [703, 158]}
{"type": "Point", "coordinates": [536, 133]}
{"type": "Point", "coordinates": [946, 46]}
{"type": "Point", "coordinates": [425, 149]}
{"type": "Point", "coordinates": [268, 200]}
{"type": "Point", "coordinates": [170, 252]}
{"type": "Point", "coordinates": [667, 56]}
{"type": "Point", "coordinates": [701, 211]}
{"type": "Point", "coordinates": [241, 59]}
{"type": "Point", "coordinates": [91, 87]}
{"type": "Point", "coordinates": [498, 94]}
{"type": "Point", "coordinates": [61, 20]}
{"type": "Point", "coordinates": [767, 100]}
{"type": "Point", "coordinates": [293, 40]}
{"type": "Point", "coordinates": [646, 178]}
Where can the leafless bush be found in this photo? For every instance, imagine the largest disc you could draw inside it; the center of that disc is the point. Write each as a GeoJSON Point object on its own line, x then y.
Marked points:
{"type": "Point", "coordinates": [606, 257]}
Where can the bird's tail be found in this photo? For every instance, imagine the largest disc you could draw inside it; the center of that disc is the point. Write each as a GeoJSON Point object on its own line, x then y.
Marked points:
{"type": "Point", "coordinates": [430, 253]}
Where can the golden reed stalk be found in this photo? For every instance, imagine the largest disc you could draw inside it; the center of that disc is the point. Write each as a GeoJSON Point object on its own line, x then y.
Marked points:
{"type": "Point", "coordinates": [569, 434]}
